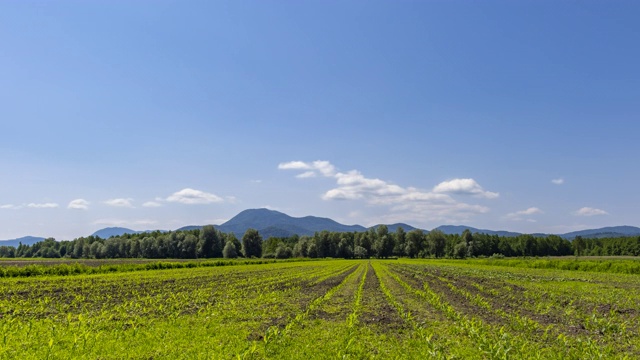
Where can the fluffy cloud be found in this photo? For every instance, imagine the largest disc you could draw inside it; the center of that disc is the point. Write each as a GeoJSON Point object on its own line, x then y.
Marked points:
{"type": "Point", "coordinates": [306, 174]}
{"type": "Point", "coordinates": [151, 204]}
{"type": "Point", "coordinates": [79, 204]}
{"type": "Point", "coordinates": [558, 181]}
{"type": "Point", "coordinates": [589, 211]}
{"type": "Point", "coordinates": [43, 206]}
{"type": "Point", "coordinates": [120, 202]}
{"type": "Point", "coordinates": [464, 187]}
{"type": "Point", "coordinates": [325, 168]}
{"type": "Point", "coordinates": [407, 203]}
{"type": "Point", "coordinates": [191, 196]}
{"type": "Point", "coordinates": [9, 206]}
{"type": "Point", "coordinates": [522, 214]}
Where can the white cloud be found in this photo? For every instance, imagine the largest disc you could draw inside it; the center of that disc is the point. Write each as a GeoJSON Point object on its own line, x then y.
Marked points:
{"type": "Point", "coordinates": [294, 165]}
{"type": "Point", "coordinates": [325, 168]}
{"type": "Point", "coordinates": [529, 211]}
{"type": "Point", "coordinates": [151, 204]}
{"type": "Point", "coordinates": [80, 204]}
{"type": "Point", "coordinates": [464, 187]}
{"type": "Point", "coordinates": [407, 203]}
{"type": "Point", "coordinates": [520, 215]}
{"type": "Point", "coordinates": [589, 211]}
{"type": "Point", "coordinates": [191, 196]}
{"type": "Point", "coordinates": [43, 206]}
{"type": "Point", "coordinates": [9, 206]}
{"type": "Point", "coordinates": [307, 174]}
{"type": "Point", "coordinates": [120, 202]}
{"type": "Point", "coordinates": [558, 181]}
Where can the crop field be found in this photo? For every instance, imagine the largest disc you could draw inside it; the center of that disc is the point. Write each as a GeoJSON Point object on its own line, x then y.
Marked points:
{"type": "Point", "coordinates": [347, 309]}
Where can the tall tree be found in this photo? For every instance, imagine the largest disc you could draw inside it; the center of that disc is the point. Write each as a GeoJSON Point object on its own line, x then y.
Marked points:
{"type": "Point", "coordinates": [437, 243]}
{"type": "Point", "coordinates": [415, 240]}
{"type": "Point", "coordinates": [400, 242]}
{"type": "Point", "coordinates": [579, 245]}
{"type": "Point", "coordinates": [209, 244]}
{"type": "Point", "coordinates": [252, 243]}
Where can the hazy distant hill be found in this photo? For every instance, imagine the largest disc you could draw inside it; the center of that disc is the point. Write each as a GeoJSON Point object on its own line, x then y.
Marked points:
{"type": "Point", "coordinates": [190, 227]}
{"type": "Point", "coordinates": [274, 223]}
{"type": "Point", "coordinates": [27, 240]}
{"type": "Point", "coordinates": [119, 231]}
{"type": "Point", "coordinates": [459, 229]}
{"type": "Point", "coordinates": [113, 231]}
{"type": "Point", "coordinates": [611, 231]}
{"type": "Point", "coordinates": [394, 227]}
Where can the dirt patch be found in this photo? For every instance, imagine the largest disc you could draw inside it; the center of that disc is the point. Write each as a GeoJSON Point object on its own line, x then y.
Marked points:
{"type": "Point", "coordinates": [377, 313]}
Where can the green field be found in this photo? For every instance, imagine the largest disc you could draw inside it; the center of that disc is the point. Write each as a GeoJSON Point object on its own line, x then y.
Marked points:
{"type": "Point", "coordinates": [404, 309]}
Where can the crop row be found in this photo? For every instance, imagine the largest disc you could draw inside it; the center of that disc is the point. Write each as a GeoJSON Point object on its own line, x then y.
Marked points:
{"type": "Point", "coordinates": [323, 309]}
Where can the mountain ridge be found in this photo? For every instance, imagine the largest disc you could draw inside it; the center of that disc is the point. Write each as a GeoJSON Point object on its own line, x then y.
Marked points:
{"type": "Point", "coordinates": [25, 240]}
{"type": "Point", "coordinates": [277, 224]}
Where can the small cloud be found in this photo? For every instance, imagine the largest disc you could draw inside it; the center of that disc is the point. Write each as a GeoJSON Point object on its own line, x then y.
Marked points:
{"type": "Point", "coordinates": [191, 196]}
{"type": "Point", "coordinates": [151, 204]}
{"type": "Point", "coordinates": [121, 202]}
{"type": "Point", "coordinates": [589, 211]}
{"type": "Point", "coordinates": [323, 167]}
{"type": "Point", "coordinates": [43, 206]}
{"type": "Point", "coordinates": [558, 181]}
{"type": "Point", "coordinates": [9, 206]}
{"type": "Point", "coordinates": [529, 211]}
{"type": "Point", "coordinates": [308, 174]}
{"type": "Point", "coordinates": [256, 181]}
{"type": "Point", "coordinates": [519, 215]}
{"type": "Point", "coordinates": [464, 187]}
{"type": "Point", "coordinates": [79, 204]}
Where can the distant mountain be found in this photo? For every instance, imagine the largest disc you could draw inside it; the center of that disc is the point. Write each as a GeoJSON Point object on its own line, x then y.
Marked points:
{"type": "Point", "coordinates": [394, 227]}
{"type": "Point", "coordinates": [459, 229]}
{"type": "Point", "coordinates": [190, 227]}
{"type": "Point", "coordinates": [271, 223]}
{"type": "Point", "coordinates": [113, 231]}
{"type": "Point", "coordinates": [611, 231]}
{"type": "Point", "coordinates": [274, 223]}
{"type": "Point", "coordinates": [119, 231]}
{"type": "Point", "coordinates": [27, 240]}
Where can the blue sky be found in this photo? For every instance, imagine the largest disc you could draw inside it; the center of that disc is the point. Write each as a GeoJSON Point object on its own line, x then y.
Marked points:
{"type": "Point", "coordinates": [516, 115]}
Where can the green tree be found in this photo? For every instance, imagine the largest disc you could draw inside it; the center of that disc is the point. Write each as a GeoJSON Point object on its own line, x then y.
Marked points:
{"type": "Point", "coordinates": [400, 242]}
{"type": "Point", "coordinates": [415, 240]}
{"type": "Point", "coordinates": [437, 243]}
{"type": "Point", "coordinates": [252, 243]}
{"type": "Point", "coordinates": [189, 247]}
{"type": "Point", "coordinates": [360, 252]}
{"type": "Point", "coordinates": [283, 252]}
{"type": "Point", "coordinates": [579, 245]}
{"type": "Point", "coordinates": [207, 241]}
{"type": "Point", "coordinates": [231, 237]}
{"type": "Point", "coordinates": [229, 251]}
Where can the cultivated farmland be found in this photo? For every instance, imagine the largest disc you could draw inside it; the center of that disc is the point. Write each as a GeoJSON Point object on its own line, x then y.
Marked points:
{"type": "Point", "coordinates": [323, 309]}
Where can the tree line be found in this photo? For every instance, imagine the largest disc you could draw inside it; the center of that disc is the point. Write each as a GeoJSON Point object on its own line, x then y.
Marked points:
{"type": "Point", "coordinates": [209, 242]}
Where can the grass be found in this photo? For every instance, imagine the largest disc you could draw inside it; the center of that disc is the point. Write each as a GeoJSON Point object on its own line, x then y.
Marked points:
{"type": "Point", "coordinates": [349, 309]}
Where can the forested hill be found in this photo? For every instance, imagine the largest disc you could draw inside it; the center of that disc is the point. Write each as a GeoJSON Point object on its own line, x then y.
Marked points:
{"type": "Point", "coordinates": [271, 223]}
{"type": "Point", "coordinates": [459, 229]}
{"type": "Point", "coordinates": [274, 223]}
{"type": "Point", "coordinates": [27, 240]}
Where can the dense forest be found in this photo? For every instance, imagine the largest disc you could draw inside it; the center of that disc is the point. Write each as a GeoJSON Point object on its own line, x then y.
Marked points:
{"type": "Point", "coordinates": [209, 242]}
